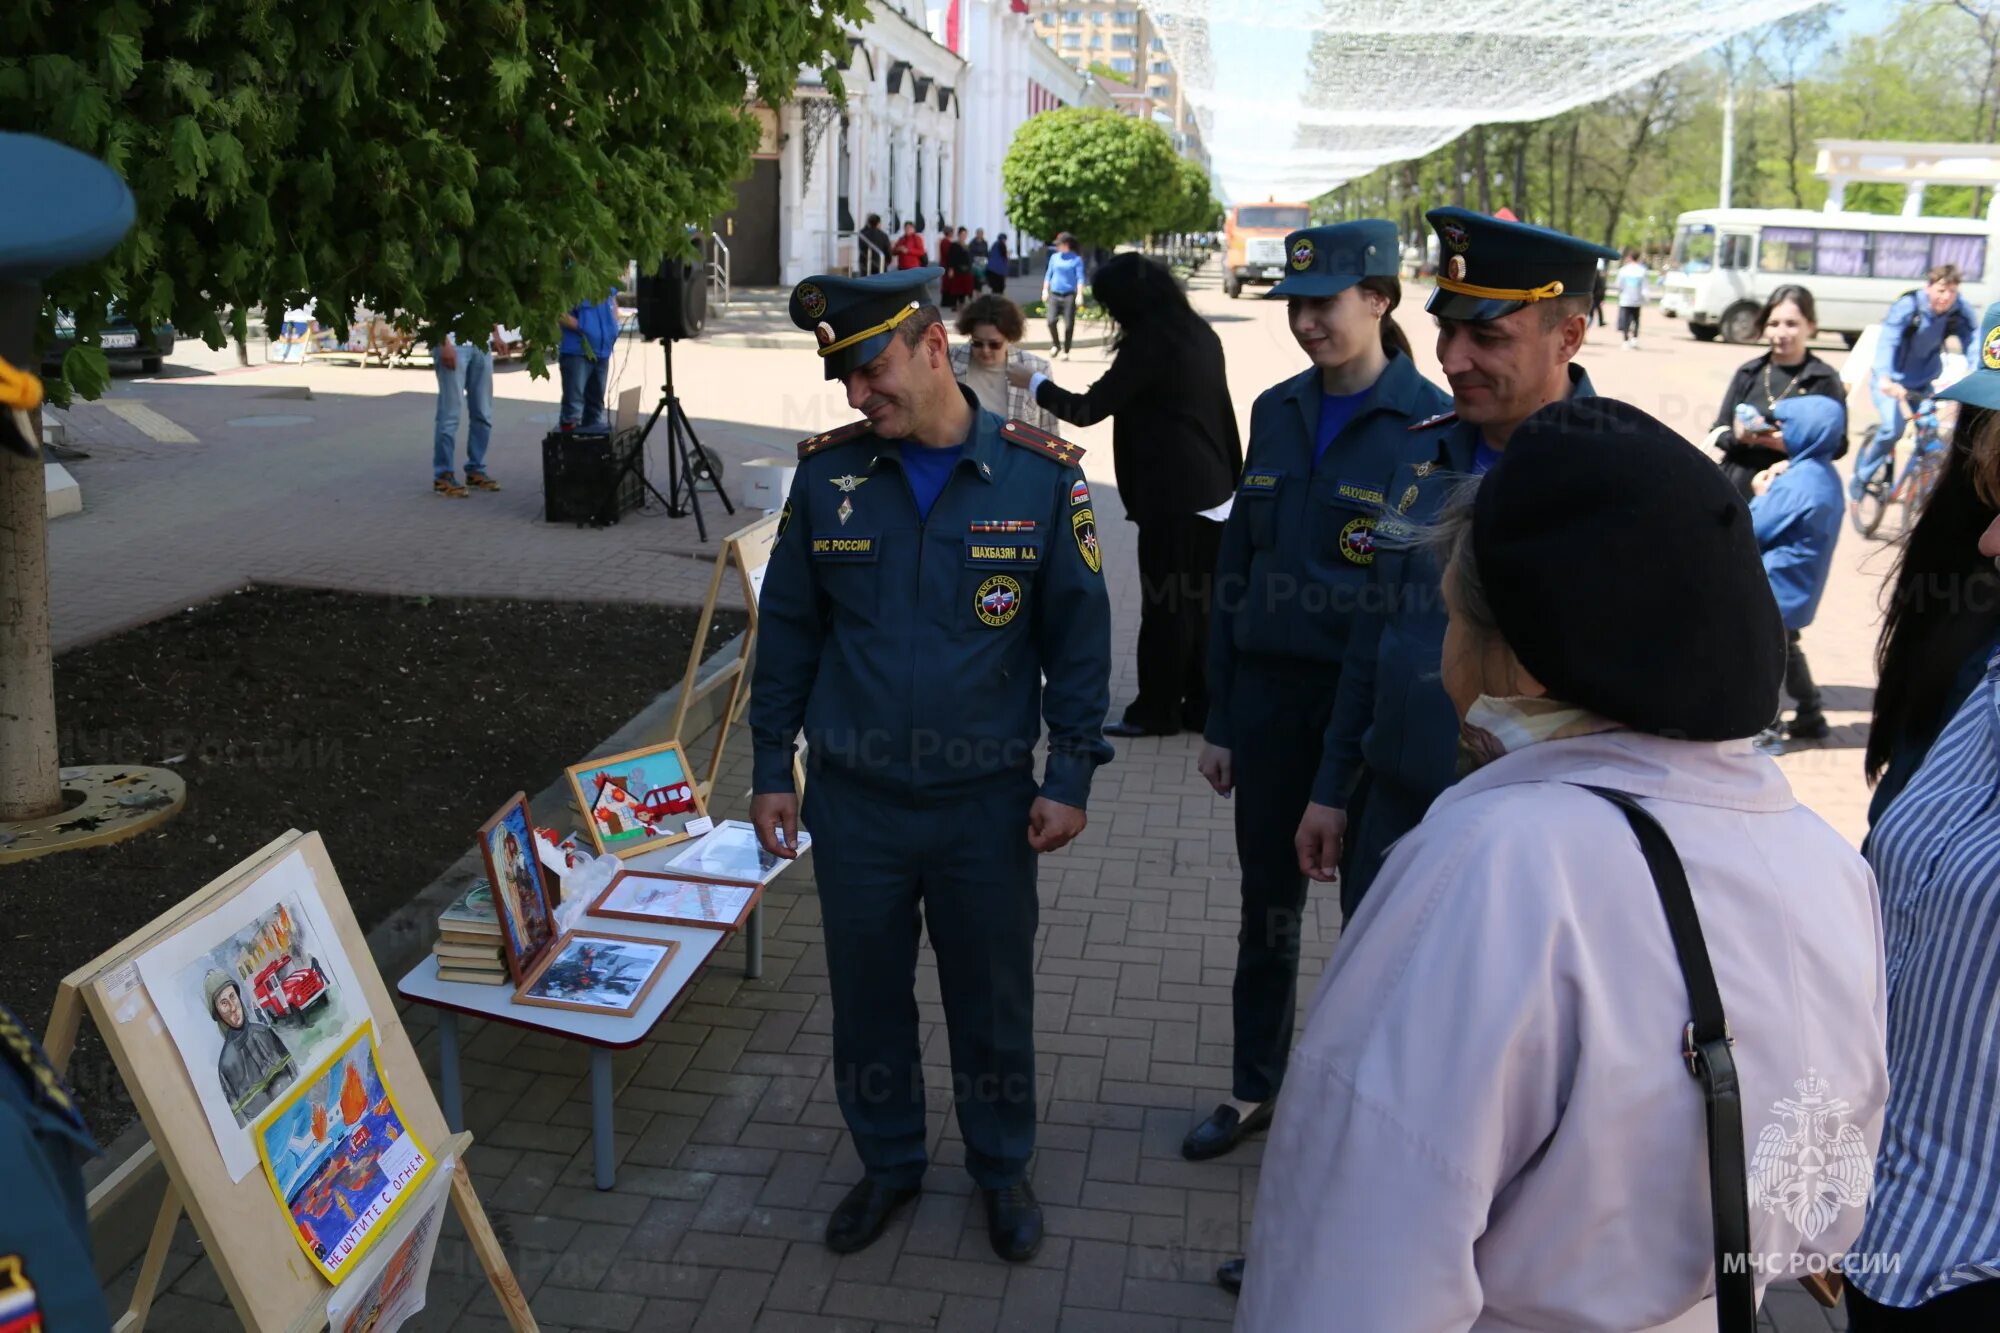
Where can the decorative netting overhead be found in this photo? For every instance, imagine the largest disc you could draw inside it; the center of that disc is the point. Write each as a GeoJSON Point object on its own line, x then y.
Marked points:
{"type": "Point", "coordinates": [1296, 96]}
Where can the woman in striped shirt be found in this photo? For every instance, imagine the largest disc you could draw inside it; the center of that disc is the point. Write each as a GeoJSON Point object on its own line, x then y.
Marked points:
{"type": "Point", "coordinates": [1928, 1256]}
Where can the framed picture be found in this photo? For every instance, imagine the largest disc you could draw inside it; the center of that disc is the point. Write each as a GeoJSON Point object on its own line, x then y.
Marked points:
{"type": "Point", "coordinates": [521, 897]}
{"type": "Point", "coordinates": [681, 900]}
{"type": "Point", "coordinates": [731, 851]}
{"type": "Point", "coordinates": [638, 800]}
{"type": "Point", "coordinates": [597, 973]}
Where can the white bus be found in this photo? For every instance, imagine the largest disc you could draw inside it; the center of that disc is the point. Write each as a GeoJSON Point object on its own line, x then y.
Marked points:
{"type": "Point", "coordinates": [1726, 261]}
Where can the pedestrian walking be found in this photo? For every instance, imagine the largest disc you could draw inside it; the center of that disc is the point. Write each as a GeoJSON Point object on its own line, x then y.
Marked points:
{"type": "Point", "coordinates": [1908, 357]}
{"type": "Point", "coordinates": [465, 389]}
{"type": "Point", "coordinates": [920, 676]}
{"type": "Point", "coordinates": [1062, 284]}
{"type": "Point", "coordinates": [1789, 369]}
{"type": "Point", "coordinates": [1631, 298]}
{"type": "Point", "coordinates": [1928, 1254]}
{"type": "Point", "coordinates": [1797, 517]}
{"type": "Point", "coordinates": [1175, 446]}
{"type": "Point", "coordinates": [980, 251]}
{"type": "Point", "coordinates": [1941, 621]}
{"type": "Point", "coordinates": [1597, 289]}
{"type": "Point", "coordinates": [1489, 1120]}
{"type": "Point", "coordinates": [989, 327]}
{"type": "Point", "coordinates": [589, 334]}
{"type": "Point", "coordinates": [1508, 334]}
{"type": "Point", "coordinates": [957, 260]}
{"type": "Point", "coordinates": [874, 257]}
{"type": "Point", "coordinates": [996, 265]}
{"type": "Point", "coordinates": [909, 248]}
{"type": "Point", "coordinates": [1294, 563]}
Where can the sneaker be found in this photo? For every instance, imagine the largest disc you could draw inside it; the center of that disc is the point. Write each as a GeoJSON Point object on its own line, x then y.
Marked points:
{"type": "Point", "coordinates": [1808, 727]}
{"type": "Point", "coordinates": [1769, 742]}
{"type": "Point", "coordinates": [448, 485]}
{"type": "Point", "coordinates": [479, 481]}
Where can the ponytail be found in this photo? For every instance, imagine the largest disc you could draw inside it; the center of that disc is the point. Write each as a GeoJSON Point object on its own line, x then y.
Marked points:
{"type": "Point", "coordinates": [1394, 340]}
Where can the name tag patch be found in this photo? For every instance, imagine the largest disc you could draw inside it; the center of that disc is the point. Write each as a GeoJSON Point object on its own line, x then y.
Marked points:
{"type": "Point", "coordinates": [1261, 481]}
{"type": "Point", "coordinates": [1359, 492]}
{"type": "Point", "coordinates": [999, 552]}
{"type": "Point", "coordinates": [856, 549]}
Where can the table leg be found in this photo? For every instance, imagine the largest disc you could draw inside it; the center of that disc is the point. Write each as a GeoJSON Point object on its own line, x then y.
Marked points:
{"type": "Point", "coordinates": [454, 1101]}
{"type": "Point", "coordinates": [753, 944]}
{"type": "Point", "coordinates": [600, 1117]}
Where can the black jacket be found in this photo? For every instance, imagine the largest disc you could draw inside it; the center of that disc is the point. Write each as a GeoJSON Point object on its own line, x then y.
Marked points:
{"type": "Point", "coordinates": [1747, 386]}
{"type": "Point", "coordinates": [1174, 439]}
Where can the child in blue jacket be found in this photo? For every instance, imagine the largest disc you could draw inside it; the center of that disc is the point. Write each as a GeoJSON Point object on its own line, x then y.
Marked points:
{"type": "Point", "coordinates": [1797, 520]}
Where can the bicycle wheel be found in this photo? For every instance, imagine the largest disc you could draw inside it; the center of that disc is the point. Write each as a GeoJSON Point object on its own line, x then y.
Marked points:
{"type": "Point", "coordinates": [1867, 512]}
{"type": "Point", "coordinates": [1918, 485]}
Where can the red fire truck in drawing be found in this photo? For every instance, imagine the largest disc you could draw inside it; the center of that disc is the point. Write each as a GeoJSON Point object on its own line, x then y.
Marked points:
{"type": "Point", "coordinates": [285, 989]}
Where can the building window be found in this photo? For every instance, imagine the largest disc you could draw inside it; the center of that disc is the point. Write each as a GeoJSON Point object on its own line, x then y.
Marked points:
{"type": "Point", "coordinates": [1072, 16]}
{"type": "Point", "coordinates": [1071, 41]}
{"type": "Point", "coordinates": [1163, 67]}
{"type": "Point", "coordinates": [1125, 18]}
{"type": "Point", "coordinates": [1159, 44]}
{"type": "Point", "coordinates": [1123, 64]}
{"type": "Point", "coordinates": [1096, 40]}
{"type": "Point", "coordinates": [1159, 90]}
{"type": "Point", "coordinates": [1121, 41]}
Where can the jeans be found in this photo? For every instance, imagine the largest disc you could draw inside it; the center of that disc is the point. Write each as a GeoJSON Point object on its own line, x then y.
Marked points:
{"type": "Point", "coordinates": [1062, 306]}
{"type": "Point", "coordinates": [1881, 446]}
{"type": "Point", "coordinates": [470, 386]}
{"type": "Point", "coordinates": [582, 391]}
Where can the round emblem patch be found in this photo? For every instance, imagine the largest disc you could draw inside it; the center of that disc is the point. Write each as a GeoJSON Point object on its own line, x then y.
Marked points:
{"type": "Point", "coordinates": [1989, 352]}
{"type": "Point", "coordinates": [1455, 235]}
{"type": "Point", "coordinates": [998, 600]}
{"type": "Point", "coordinates": [1454, 268]}
{"type": "Point", "coordinates": [811, 300]}
{"type": "Point", "coordinates": [1302, 254]}
{"type": "Point", "coordinates": [824, 332]}
{"type": "Point", "coordinates": [1357, 541]}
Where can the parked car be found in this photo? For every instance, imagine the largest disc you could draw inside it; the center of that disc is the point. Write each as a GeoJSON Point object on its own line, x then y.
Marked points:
{"type": "Point", "coordinates": [125, 345]}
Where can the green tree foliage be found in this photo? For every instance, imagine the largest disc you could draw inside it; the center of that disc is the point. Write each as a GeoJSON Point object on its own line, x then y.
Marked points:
{"type": "Point", "coordinates": [1193, 207]}
{"type": "Point", "coordinates": [1102, 176]}
{"type": "Point", "coordinates": [459, 163]}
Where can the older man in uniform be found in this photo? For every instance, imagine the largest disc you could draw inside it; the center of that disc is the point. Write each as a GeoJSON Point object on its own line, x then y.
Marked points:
{"type": "Point", "coordinates": [934, 594]}
{"type": "Point", "coordinates": [1512, 304]}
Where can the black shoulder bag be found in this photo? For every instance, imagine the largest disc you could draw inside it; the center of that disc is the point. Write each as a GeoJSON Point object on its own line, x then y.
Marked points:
{"type": "Point", "coordinates": [1705, 1049]}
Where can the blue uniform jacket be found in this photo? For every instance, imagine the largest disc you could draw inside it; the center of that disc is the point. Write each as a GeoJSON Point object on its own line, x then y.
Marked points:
{"type": "Point", "coordinates": [913, 651]}
{"type": "Point", "coordinates": [597, 321]}
{"type": "Point", "coordinates": [1912, 354]}
{"type": "Point", "coordinates": [1391, 710]}
{"type": "Point", "coordinates": [45, 1260]}
{"type": "Point", "coordinates": [1299, 542]}
{"type": "Point", "coordinates": [1798, 519]}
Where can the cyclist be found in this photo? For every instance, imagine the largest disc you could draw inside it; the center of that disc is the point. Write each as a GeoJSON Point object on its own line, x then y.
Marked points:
{"type": "Point", "coordinates": [1907, 362]}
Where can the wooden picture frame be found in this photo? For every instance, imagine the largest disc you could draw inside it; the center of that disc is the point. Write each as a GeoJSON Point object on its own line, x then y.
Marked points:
{"type": "Point", "coordinates": [579, 938]}
{"type": "Point", "coordinates": [753, 897]}
{"type": "Point", "coordinates": [624, 807]}
{"type": "Point", "coordinates": [525, 940]}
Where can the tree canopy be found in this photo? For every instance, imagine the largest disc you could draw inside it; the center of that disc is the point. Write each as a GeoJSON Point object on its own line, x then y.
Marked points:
{"type": "Point", "coordinates": [455, 163]}
{"type": "Point", "coordinates": [1193, 207]}
{"type": "Point", "coordinates": [1100, 175]}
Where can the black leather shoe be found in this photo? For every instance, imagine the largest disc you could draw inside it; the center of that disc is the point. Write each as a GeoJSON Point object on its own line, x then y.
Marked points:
{"type": "Point", "coordinates": [1126, 730]}
{"type": "Point", "coordinates": [863, 1214]}
{"type": "Point", "coordinates": [1808, 727]}
{"type": "Point", "coordinates": [1014, 1222]}
{"type": "Point", "coordinates": [1222, 1131]}
{"type": "Point", "coordinates": [1230, 1276]}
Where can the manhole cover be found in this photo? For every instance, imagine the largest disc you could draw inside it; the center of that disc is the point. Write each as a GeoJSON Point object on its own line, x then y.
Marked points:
{"type": "Point", "coordinates": [274, 419]}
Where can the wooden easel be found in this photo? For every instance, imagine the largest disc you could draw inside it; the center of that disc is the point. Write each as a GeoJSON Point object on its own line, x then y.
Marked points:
{"type": "Point", "coordinates": [749, 550]}
{"type": "Point", "coordinates": [268, 1278]}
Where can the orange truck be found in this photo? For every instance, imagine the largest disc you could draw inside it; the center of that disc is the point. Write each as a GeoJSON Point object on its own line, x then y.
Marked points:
{"type": "Point", "coordinates": [1254, 243]}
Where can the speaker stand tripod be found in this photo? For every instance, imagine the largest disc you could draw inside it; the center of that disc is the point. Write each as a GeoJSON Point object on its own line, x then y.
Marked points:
{"type": "Point", "coordinates": [688, 464]}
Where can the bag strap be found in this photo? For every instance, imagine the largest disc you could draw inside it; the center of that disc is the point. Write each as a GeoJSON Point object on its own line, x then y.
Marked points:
{"type": "Point", "coordinates": [1705, 1049]}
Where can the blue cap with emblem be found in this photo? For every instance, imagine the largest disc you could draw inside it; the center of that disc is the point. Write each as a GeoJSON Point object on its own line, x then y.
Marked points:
{"type": "Point", "coordinates": [853, 318]}
{"type": "Point", "coordinates": [1489, 267]}
{"type": "Point", "coordinates": [1980, 387]}
{"type": "Point", "coordinates": [1326, 261]}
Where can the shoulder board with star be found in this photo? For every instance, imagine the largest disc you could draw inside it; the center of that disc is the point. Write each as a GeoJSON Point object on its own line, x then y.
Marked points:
{"type": "Point", "coordinates": [1050, 446]}
{"type": "Point", "coordinates": [1441, 419]}
{"type": "Point", "coordinates": [851, 431]}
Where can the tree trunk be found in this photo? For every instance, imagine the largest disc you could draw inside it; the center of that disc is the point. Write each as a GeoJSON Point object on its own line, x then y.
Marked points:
{"type": "Point", "coordinates": [1792, 157]}
{"type": "Point", "coordinates": [1518, 186]}
{"type": "Point", "coordinates": [1458, 171]}
{"type": "Point", "coordinates": [1569, 179]}
{"type": "Point", "coordinates": [1479, 169]}
{"type": "Point", "coordinates": [1549, 151]}
{"type": "Point", "coordinates": [29, 786]}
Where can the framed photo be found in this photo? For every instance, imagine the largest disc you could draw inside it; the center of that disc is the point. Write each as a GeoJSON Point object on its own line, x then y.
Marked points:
{"type": "Point", "coordinates": [681, 900]}
{"type": "Point", "coordinates": [597, 973]}
{"type": "Point", "coordinates": [521, 897]}
{"type": "Point", "coordinates": [638, 800]}
{"type": "Point", "coordinates": [731, 851]}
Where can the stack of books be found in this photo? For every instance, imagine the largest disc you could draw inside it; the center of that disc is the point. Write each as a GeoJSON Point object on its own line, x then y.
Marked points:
{"type": "Point", "coordinates": [468, 943]}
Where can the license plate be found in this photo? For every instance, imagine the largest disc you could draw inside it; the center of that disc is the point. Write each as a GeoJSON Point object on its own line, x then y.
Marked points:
{"type": "Point", "coordinates": [116, 340]}
{"type": "Point", "coordinates": [1274, 273]}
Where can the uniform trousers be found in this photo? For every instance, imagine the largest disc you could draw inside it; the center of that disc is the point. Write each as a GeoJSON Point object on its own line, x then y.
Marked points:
{"type": "Point", "coordinates": [888, 867]}
{"type": "Point", "coordinates": [1176, 583]}
{"type": "Point", "coordinates": [1278, 716]}
{"type": "Point", "coordinates": [1380, 811]}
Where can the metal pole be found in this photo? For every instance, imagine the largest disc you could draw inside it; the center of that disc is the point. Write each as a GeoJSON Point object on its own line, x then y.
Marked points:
{"type": "Point", "coordinates": [1728, 129]}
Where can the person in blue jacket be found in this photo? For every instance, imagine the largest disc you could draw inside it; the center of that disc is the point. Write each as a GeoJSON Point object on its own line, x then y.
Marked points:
{"type": "Point", "coordinates": [1512, 305]}
{"type": "Point", "coordinates": [1907, 362]}
{"type": "Point", "coordinates": [1797, 519]}
{"type": "Point", "coordinates": [1294, 562]}
{"type": "Point", "coordinates": [590, 333]}
{"type": "Point", "coordinates": [935, 593]}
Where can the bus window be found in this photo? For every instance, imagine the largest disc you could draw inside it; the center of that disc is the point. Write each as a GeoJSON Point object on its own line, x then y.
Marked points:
{"type": "Point", "coordinates": [1736, 251]}
{"type": "Point", "coordinates": [1968, 252]}
{"type": "Point", "coordinates": [1842, 254]}
{"type": "Point", "coordinates": [1900, 254]}
{"type": "Point", "coordinates": [1787, 250]}
{"type": "Point", "coordinates": [1694, 248]}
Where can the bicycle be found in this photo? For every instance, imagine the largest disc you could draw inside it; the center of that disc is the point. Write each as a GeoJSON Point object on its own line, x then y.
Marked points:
{"type": "Point", "coordinates": [1911, 486]}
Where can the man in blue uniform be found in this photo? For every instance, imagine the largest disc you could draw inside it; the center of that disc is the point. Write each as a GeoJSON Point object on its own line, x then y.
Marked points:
{"type": "Point", "coordinates": [1512, 304]}
{"type": "Point", "coordinates": [935, 593]}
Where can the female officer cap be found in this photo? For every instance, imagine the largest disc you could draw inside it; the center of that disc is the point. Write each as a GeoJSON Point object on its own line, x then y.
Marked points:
{"type": "Point", "coordinates": [1621, 567]}
{"type": "Point", "coordinates": [1326, 261]}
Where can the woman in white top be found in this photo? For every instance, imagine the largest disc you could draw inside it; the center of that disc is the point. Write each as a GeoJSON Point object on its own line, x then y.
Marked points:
{"type": "Point", "coordinates": [1488, 1123]}
{"type": "Point", "coordinates": [990, 326]}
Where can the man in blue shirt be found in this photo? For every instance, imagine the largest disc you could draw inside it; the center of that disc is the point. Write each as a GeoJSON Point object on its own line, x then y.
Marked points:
{"type": "Point", "coordinates": [590, 331]}
{"type": "Point", "coordinates": [1907, 361]}
{"type": "Point", "coordinates": [934, 596]}
{"type": "Point", "coordinates": [1060, 286]}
